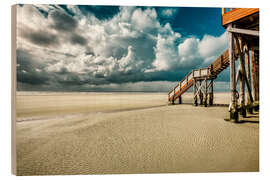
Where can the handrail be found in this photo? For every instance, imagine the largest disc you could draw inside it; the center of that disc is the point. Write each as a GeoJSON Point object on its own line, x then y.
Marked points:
{"type": "Point", "coordinates": [212, 70]}
{"type": "Point", "coordinates": [183, 79]}
{"type": "Point", "coordinates": [180, 82]}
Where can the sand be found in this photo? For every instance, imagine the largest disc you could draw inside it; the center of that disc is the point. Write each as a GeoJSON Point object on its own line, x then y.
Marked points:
{"type": "Point", "coordinates": [96, 133]}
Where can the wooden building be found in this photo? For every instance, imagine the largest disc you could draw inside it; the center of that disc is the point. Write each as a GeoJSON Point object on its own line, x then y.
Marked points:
{"type": "Point", "coordinates": [242, 25]}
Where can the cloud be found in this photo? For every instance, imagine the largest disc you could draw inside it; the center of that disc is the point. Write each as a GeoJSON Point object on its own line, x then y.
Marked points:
{"type": "Point", "coordinates": [41, 37]}
{"type": "Point", "coordinates": [62, 21]}
{"type": "Point", "coordinates": [191, 53]}
{"type": "Point", "coordinates": [145, 20]}
{"type": "Point", "coordinates": [211, 47]}
{"type": "Point", "coordinates": [166, 54]}
{"type": "Point", "coordinates": [168, 12]}
{"type": "Point", "coordinates": [77, 39]}
{"type": "Point", "coordinates": [29, 70]}
{"type": "Point", "coordinates": [76, 47]}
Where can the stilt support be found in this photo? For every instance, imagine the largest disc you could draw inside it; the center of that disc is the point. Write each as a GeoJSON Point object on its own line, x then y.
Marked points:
{"type": "Point", "coordinates": [242, 109]}
{"type": "Point", "coordinates": [247, 58]}
{"type": "Point", "coordinates": [201, 94]}
{"type": "Point", "coordinates": [195, 93]}
{"type": "Point", "coordinates": [206, 93]}
{"type": "Point", "coordinates": [233, 105]}
{"type": "Point", "coordinates": [211, 92]}
{"type": "Point", "coordinates": [180, 99]}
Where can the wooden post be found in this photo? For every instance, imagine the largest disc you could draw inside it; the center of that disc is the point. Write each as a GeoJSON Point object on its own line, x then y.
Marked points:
{"type": "Point", "coordinates": [211, 94]}
{"type": "Point", "coordinates": [233, 106]}
{"type": "Point", "coordinates": [247, 57]}
{"type": "Point", "coordinates": [194, 89]}
{"type": "Point", "coordinates": [200, 93]}
{"type": "Point", "coordinates": [206, 93]}
{"type": "Point", "coordinates": [256, 56]}
{"type": "Point", "coordinates": [242, 82]}
{"type": "Point", "coordinates": [195, 92]}
{"type": "Point", "coordinates": [241, 62]}
{"type": "Point", "coordinates": [255, 75]}
{"type": "Point", "coordinates": [180, 99]}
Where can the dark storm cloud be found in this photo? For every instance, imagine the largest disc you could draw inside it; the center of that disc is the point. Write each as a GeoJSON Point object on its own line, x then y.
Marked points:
{"type": "Point", "coordinates": [42, 38]}
{"type": "Point", "coordinates": [34, 78]}
{"type": "Point", "coordinates": [63, 21]}
{"type": "Point", "coordinates": [100, 12]}
{"type": "Point", "coordinates": [68, 79]}
{"type": "Point", "coordinates": [30, 71]}
{"type": "Point", "coordinates": [166, 75]}
{"type": "Point", "coordinates": [78, 39]}
{"type": "Point", "coordinates": [123, 77]}
{"type": "Point", "coordinates": [27, 62]}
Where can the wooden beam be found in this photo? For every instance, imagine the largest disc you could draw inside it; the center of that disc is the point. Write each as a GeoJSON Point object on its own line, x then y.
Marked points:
{"type": "Point", "coordinates": [180, 99]}
{"type": "Point", "coordinates": [242, 80]}
{"type": "Point", "coordinates": [255, 74]}
{"type": "Point", "coordinates": [200, 92]}
{"type": "Point", "coordinates": [238, 73]}
{"type": "Point", "coordinates": [236, 14]}
{"type": "Point", "coordinates": [243, 71]}
{"type": "Point", "coordinates": [211, 96]}
{"type": "Point", "coordinates": [194, 91]}
{"type": "Point", "coordinates": [233, 104]}
{"type": "Point", "coordinates": [206, 93]}
{"type": "Point", "coordinates": [243, 31]}
{"type": "Point", "coordinates": [247, 58]}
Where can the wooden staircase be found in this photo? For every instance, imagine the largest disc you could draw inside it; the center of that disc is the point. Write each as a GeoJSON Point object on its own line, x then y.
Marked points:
{"type": "Point", "coordinates": [210, 72]}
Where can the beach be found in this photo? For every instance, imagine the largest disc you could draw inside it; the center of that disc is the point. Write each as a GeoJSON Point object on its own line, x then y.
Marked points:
{"type": "Point", "coordinates": [97, 133]}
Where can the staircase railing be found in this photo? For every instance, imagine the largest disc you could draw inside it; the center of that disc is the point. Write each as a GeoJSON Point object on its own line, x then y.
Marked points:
{"type": "Point", "coordinates": [187, 82]}
{"type": "Point", "coordinates": [221, 63]}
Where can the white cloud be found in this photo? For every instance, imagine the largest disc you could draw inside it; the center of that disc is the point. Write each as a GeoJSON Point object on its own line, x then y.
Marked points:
{"type": "Point", "coordinates": [191, 53]}
{"type": "Point", "coordinates": [166, 54]}
{"type": "Point", "coordinates": [211, 47]}
{"type": "Point", "coordinates": [168, 12]}
{"type": "Point", "coordinates": [145, 21]}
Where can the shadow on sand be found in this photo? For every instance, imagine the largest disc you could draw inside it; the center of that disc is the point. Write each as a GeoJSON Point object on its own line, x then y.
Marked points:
{"type": "Point", "coordinates": [214, 105]}
{"type": "Point", "coordinates": [251, 118]}
{"type": "Point", "coordinates": [247, 121]}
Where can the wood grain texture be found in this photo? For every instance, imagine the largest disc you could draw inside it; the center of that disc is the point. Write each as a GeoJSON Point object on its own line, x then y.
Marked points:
{"type": "Point", "coordinates": [237, 14]}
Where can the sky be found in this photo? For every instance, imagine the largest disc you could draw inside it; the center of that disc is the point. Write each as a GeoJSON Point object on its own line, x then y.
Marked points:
{"type": "Point", "coordinates": [115, 48]}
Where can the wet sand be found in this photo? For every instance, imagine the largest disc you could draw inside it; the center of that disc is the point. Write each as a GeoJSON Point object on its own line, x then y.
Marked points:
{"type": "Point", "coordinates": [85, 133]}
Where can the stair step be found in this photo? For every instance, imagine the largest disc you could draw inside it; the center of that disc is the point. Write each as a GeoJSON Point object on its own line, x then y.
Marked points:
{"type": "Point", "coordinates": [216, 67]}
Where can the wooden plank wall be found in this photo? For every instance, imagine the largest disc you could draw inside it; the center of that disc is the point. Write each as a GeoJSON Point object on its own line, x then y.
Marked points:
{"type": "Point", "coordinates": [237, 14]}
